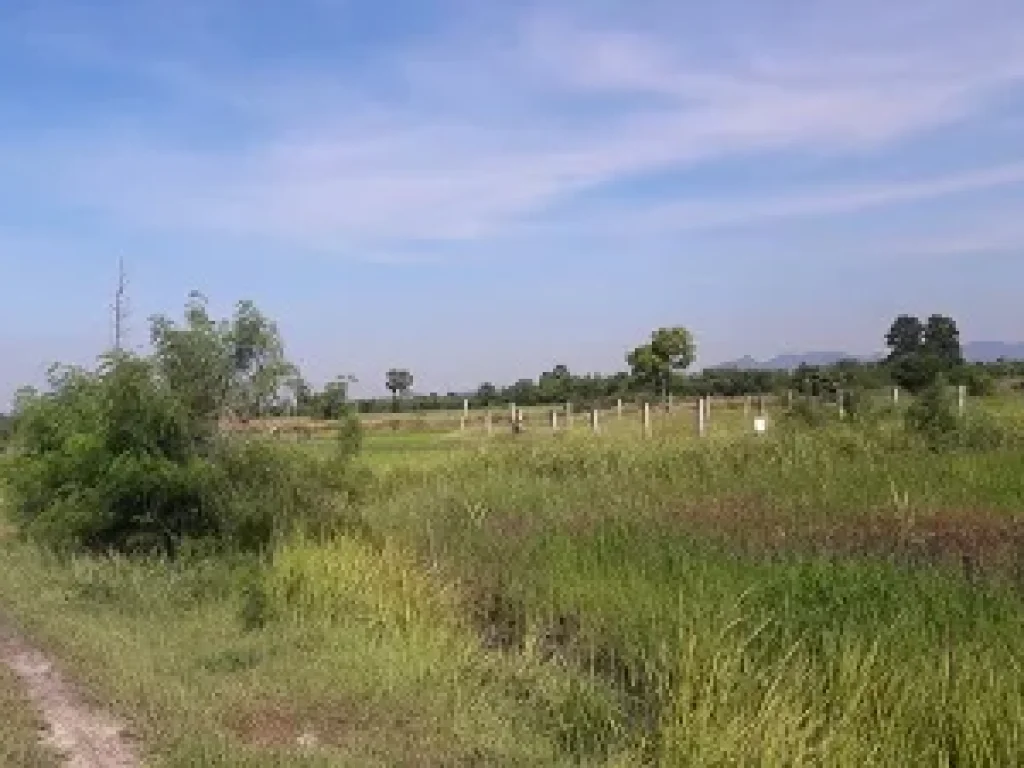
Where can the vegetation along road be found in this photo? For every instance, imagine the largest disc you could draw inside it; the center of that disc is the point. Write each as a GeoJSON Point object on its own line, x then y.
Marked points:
{"type": "Point", "coordinates": [846, 589]}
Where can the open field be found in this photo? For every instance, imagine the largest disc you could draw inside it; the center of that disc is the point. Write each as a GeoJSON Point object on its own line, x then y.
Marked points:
{"type": "Point", "coordinates": [538, 416]}
{"type": "Point", "coordinates": [832, 596]}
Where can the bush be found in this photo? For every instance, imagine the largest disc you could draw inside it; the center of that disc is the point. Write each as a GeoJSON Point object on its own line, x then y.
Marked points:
{"type": "Point", "coordinates": [932, 415]}
{"type": "Point", "coordinates": [112, 460]}
{"type": "Point", "coordinates": [979, 382]}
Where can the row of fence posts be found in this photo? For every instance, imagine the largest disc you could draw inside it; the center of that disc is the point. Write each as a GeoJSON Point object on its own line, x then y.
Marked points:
{"type": "Point", "coordinates": [702, 411]}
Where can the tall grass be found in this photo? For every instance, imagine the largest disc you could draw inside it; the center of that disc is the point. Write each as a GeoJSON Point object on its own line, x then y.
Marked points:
{"type": "Point", "coordinates": [824, 597]}
{"type": "Point", "coordinates": [797, 596]}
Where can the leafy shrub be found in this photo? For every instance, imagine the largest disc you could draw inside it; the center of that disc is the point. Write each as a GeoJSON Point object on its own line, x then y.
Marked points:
{"type": "Point", "coordinates": [349, 435]}
{"type": "Point", "coordinates": [932, 415]}
{"type": "Point", "coordinates": [979, 382]}
{"type": "Point", "coordinates": [104, 460]}
{"type": "Point", "coordinates": [113, 460]}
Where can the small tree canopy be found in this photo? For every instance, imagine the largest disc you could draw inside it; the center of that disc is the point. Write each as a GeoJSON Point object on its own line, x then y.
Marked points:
{"type": "Point", "coordinates": [670, 350]}
{"type": "Point", "coordinates": [920, 352]}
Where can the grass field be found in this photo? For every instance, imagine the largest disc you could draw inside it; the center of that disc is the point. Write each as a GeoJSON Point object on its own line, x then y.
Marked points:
{"type": "Point", "coordinates": [840, 596]}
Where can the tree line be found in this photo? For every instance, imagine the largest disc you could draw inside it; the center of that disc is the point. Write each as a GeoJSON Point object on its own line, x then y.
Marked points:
{"type": "Point", "coordinates": [919, 351]}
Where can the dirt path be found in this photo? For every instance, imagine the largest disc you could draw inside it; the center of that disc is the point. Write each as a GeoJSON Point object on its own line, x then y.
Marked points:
{"type": "Point", "coordinates": [87, 737]}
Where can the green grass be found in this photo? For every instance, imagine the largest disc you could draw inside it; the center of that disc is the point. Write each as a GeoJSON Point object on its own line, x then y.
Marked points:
{"type": "Point", "coordinates": [833, 597]}
{"type": "Point", "coordinates": [367, 653]}
{"type": "Point", "coordinates": [20, 728]}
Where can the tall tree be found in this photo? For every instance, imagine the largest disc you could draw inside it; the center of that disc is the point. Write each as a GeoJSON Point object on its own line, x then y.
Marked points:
{"type": "Point", "coordinates": [195, 360]}
{"type": "Point", "coordinates": [920, 352]}
{"type": "Point", "coordinates": [942, 341]}
{"type": "Point", "coordinates": [399, 382]}
{"type": "Point", "coordinates": [905, 337]}
{"type": "Point", "coordinates": [556, 385]}
{"type": "Point", "coordinates": [487, 393]}
{"type": "Point", "coordinates": [215, 367]}
{"type": "Point", "coordinates": [260, 368]}
{"type": "Point", "coordinates": [670, 350]}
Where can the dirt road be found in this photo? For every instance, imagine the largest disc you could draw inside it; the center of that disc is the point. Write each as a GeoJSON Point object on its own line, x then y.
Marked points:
{"type": "Point", "coordinates": [86, 736]}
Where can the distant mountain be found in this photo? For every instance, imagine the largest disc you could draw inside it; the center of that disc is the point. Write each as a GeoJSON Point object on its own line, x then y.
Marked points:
{"type": "Point", "coordinates": [990, 351]}
{"type": "Point", "coordinates": [788, 362]}
{"type": "Point", "coordinates": [974, 352]}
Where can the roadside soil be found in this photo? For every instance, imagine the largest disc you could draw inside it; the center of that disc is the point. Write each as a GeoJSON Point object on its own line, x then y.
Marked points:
{"type": "Point", "coordinates": [84, 735]}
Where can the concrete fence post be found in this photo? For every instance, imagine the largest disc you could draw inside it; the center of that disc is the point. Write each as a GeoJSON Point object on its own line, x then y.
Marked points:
{"type": "Point", "coordinates": [618, 408]}
{"type": "Point", "coordinates": [647, 419]}
{"type": "Point", "coordinates": [594, 425]}
{"type": "Point", "coordinates": [554, 420]}
{"type": "Point", "coordinates": [701, 416]}
{"type": "Point", "coordinates": [961, 398]}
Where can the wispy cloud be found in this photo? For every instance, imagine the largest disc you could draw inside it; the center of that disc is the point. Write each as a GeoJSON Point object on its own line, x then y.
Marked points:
{"type": "Point", "coordinates": [482, 130]}
{"type": "Point", "coordinates": [739, 210]}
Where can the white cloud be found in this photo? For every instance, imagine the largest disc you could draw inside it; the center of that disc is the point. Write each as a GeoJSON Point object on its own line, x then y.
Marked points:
{"type": "Point", "coordinates": [740, 211]}
{"type": "Point", "coordinates": [492, 128]}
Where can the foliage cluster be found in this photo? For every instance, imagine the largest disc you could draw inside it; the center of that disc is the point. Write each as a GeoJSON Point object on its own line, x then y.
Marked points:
{"type": "Point", "coordinates": [919, 351]}
{"type": "Point", "coordinates": [130, 456]}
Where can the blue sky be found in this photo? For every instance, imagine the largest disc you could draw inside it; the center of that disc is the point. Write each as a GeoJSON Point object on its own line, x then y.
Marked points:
{"type": "Point", "coordinates": [478, 191]}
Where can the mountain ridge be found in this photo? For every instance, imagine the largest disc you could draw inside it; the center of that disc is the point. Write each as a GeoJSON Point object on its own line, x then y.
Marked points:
{"type": "Point", "coordinates": [974, 352]}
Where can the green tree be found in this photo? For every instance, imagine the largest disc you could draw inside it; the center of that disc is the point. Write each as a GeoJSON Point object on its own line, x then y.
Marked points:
{"type": "Point", "coordinates": [194, 360]}
{"type": "Point", "coordinates": [399, 382]}
{"type": "Point", "coordinates": [556, 385]}
{"type": "Point", "coordinates": [941, 340]}
{"type": "Point", "coordinates": [669, 351]}
{"type": "Point", "coordinates": [232, 366]}
{"type": "Point", "coordinates": [487, 394]}
{"type": "Point", "coordinates": [920, 352]}
{"type": "Point", "coordinates": [259, 367]}
{"type": "Point", "coordinates": [905, 337]}
{"type": "Point", "coordinates": [333, 401]}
